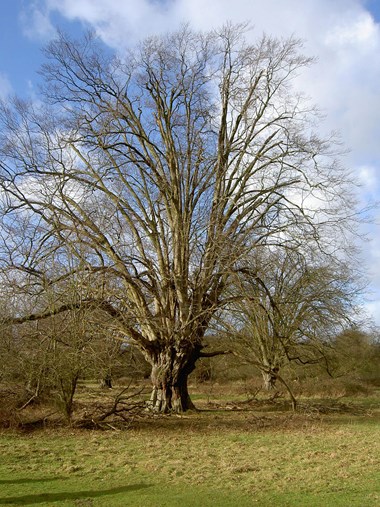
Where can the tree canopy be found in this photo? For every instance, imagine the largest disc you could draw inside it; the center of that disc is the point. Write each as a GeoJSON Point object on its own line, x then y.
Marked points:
{"type": "Point", "coordinates": [153, 174]}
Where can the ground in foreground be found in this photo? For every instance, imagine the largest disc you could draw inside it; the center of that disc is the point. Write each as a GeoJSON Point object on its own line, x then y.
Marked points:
{"type": "Point", "coordinates": [223, 457]}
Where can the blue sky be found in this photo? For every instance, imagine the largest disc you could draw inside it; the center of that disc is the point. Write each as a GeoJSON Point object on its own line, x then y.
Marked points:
{"type": "Point", "coordinates": [344, 35]}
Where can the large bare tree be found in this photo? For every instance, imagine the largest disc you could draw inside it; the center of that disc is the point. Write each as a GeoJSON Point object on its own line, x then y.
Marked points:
{"type": "Point", "coordinates": [158, 170]}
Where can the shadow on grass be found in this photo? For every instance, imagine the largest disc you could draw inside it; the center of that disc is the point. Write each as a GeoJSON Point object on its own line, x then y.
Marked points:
{"type": "Point", "coordinates": [60, 497]}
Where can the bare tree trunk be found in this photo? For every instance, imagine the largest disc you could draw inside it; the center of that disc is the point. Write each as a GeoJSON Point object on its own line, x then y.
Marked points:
{"type": "Point", "coordinates": [170, 372]}
{"type": "Point", "coordinates": [66, 395]}
{"type": "Point", "coordinates": [292, 397]}
{"type": "Point", "coordinates": [270, 377]}
{"type": "Point", "coordinates": [106, 382]}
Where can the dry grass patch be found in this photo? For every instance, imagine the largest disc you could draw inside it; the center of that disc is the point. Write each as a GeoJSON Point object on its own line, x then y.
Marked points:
{"type": "Point", "coordinates": [269, 457]}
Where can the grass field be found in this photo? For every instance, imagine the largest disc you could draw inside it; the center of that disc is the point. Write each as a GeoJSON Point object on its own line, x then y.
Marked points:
{"type": "Point", "coordinates": [324, 455]}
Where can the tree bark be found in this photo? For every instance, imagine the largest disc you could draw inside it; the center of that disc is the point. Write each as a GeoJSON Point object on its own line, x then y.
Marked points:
{"type": "Point", "coordinates": [106, 382]}
{"type": "Point", "coordinates": [292, 397]}
{"type": "Point", "coordinates": [270, 378]}
{"type": "Point", "coordinates": [170, 371]}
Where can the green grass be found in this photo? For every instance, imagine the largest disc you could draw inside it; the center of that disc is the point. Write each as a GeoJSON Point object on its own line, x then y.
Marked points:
{"type": "Point", "coordinates": [221, 458]}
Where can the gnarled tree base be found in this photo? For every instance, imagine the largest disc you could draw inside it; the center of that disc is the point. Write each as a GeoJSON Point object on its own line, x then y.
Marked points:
{"type": "Point", "coordinates": [178, 400]}
{"type": "Point", "coordinates": [170, 371]}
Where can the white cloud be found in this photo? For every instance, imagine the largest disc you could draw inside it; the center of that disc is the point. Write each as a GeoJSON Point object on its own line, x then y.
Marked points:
{"type": "Point", "coordinates": [357, 32]}
{"type": "Point", "coordinates": [369, 179]}
{"type": "Point", "coordinates": [373, 275]}
{"type": "Point", "coordinates": [117, 23]}
{"type": "Point", "coordinates": [36, 23]}
{"type": "Point", "coordinates": [340, 33]}
{"type": "Point", "coordinates": [372, 309]}
{"type": "Point", "coordinates": [5, 86]}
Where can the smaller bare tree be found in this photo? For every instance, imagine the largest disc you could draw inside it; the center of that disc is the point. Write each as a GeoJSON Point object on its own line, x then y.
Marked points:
{"type": "Point", "coordinates": [287, 310]}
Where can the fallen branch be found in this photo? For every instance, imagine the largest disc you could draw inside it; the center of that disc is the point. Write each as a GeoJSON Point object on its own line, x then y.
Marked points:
{"type": "Point", "coordinates": [123, 407]}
